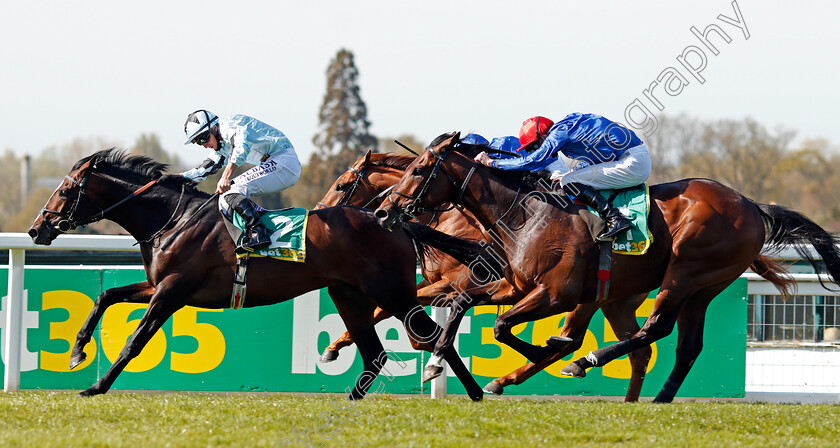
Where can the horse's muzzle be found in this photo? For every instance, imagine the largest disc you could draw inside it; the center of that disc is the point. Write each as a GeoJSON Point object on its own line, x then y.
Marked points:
{"type": "Point", "coordinates": [43, 234]}
{"type": "Point", "coordinates": [389, 218]}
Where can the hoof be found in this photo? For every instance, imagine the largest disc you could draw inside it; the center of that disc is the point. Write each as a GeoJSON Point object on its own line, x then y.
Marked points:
{"type": "Point", "coordinates": [573, 370]}
{"type": "Point", "coordinates": [477, 396]}
{"type": "Point", "coordinates": [558, 343]}
{"type": "Point", "coordinates": [431, 372]}
{"type": "Point", "coordinates": [89, 392]}
{"type": "Point", "coordinates": [329, 356]}
{"type": "Point", "coordinates": [494, 388]}
{"type": "Point", "coordinates": [77, 358]}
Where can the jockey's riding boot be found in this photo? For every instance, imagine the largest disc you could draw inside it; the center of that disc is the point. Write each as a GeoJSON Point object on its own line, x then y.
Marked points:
{"type": "Point", "coordinates": [616, 222]}
{"type": "Point", "coordinates": [255, 232]}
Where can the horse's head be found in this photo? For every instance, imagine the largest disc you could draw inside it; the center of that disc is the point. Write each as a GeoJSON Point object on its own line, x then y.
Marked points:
{"type": "Point", "coordinates": [366, 182]}
{"type": "Point", "coordinates": [76, 200]}
{"type": "Point", "coordinates": [67, 204]}
{"type": "Point", "coordinates": [350, 186]}
{"type": "Point", "coordinates": [434, 178]}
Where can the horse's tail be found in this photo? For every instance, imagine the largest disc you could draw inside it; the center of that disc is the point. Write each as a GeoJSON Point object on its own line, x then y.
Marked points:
{"type": "Point", "coordinates": [775, 272]}
{"type": "Point", "coordinates": [788, 228]}
{"type": "Point", "coordinates": [468, 252]}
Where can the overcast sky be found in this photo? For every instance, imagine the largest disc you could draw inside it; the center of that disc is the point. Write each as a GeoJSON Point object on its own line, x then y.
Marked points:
{"type": "Point", "coordinates": [119, 69]}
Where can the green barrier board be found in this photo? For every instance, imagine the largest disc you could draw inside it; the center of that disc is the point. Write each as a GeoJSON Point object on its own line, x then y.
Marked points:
{"type": "Point", "coordinates": [276, 348]}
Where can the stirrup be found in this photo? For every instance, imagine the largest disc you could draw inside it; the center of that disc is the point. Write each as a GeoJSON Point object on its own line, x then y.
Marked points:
{"type": "Point", "coordinates": [253, 240]}
{"type": "Point", "coordinates": [619, 224]}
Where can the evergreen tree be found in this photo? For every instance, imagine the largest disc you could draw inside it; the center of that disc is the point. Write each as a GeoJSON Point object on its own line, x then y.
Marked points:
{"type": "Point", "coordinates": [342, 120]}
{"type": "Point", "coordinates": [343, 135]}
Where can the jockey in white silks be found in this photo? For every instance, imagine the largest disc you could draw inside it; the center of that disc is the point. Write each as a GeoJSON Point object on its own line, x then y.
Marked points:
{"type": "Point", "coordinates": [236, 140]}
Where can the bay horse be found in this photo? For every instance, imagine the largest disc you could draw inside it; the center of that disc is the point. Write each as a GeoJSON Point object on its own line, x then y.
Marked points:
{"type": "Point", "coordinates": [189, 259]}
{"type": "Point", "coordinates": [705, 235]}
{"type": "Point", "coordinates": [446, 279]}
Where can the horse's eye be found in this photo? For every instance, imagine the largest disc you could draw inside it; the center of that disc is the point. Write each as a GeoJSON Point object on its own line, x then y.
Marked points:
{"type": "Point", "coordinates": [340, 187]}
{"type": "Point", "coordinates": [62, 194]}
{"type": "Point", "coordinates": [418, 171]}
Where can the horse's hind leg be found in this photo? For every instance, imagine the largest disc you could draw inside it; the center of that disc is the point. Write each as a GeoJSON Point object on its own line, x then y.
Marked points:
{"type": "Point", "coordinates": [622, 317]}
{"type": "Point", "coordinates": [356, 310]}
{"type": "Point", "coordinates": [345, 340]}
{"type": "Point", "coordinates": [690, 324]}
{"type": "Point", "coordinates": [659, 324]}
{"type": "Point", "coordinates": [136, 293]}
{"type": "Point", "coordinates": [574, 328]}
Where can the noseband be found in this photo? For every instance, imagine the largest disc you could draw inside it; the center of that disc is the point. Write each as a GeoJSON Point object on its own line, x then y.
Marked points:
{"type": "Point", "coordinates": [67, 220]}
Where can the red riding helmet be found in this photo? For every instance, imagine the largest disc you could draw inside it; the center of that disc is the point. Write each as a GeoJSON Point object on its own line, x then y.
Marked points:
{"type": "Point", "coordinates": [532, 129]}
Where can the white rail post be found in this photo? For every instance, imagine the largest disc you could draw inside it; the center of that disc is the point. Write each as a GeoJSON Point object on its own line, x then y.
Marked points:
{"type": "Point", "coordinates": [439, 315]}
{"type": "Point", "coordinates": [14, 313]}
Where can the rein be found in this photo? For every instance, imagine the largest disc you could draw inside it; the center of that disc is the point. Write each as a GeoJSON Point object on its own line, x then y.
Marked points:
{"type": "Point", "coordinates": [345, 198]}
{"type": "Point", "coordinates": [68, 222]}
{"type": "Point", "coordinates": [171, 219]}
{"type": "Point", "coordinates": [414, 208]}
{"type": "Point", "coordinates": [177, 232]}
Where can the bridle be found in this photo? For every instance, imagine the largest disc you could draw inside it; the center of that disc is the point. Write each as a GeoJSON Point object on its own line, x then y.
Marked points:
{"type": "Point", "coordinates": [413, 209]}
{"type": "Point", "coordinates": [348, 193]}
{"type": "Point", "coordinates": [68, 221]}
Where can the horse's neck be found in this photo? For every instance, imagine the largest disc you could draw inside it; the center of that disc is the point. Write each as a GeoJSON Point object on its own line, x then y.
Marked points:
{"type": "Point", "coordinates": [143, 216]}
{"type": "Point", "coordinates": [511, 214]}
{"type": "Point", "coordinates": [493, 203]}
{"type": "Point", "coordinates": [384, 177]}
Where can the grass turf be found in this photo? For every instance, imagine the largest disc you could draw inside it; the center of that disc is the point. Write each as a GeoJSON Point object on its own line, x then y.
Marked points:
{"type": "Point", "coordinates": [61, 419]}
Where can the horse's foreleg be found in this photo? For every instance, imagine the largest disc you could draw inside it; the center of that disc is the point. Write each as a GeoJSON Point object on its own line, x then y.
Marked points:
{"type": "Point", "coordinates": [446, 340]}
{"type": "Point", "coordinates": [622, 317]}
{"type": "Point", "coordinates": [423, 331]}
{"type": "Point", "coordinates": [437, 294]}
{"type": "Point", "coordinates": [345, 340]}
{"type": "Point", "coordinates": [356, 310]}
{"type": "Point", "coordinates": [574, 328]}
{"type": "Point", "coordinates": [536, 305]}
{"type": "Point", "coordinates": [159, 310]}
{"type": "Point", "coordinates": [459, 305]}
{"type": "Point", "coordinates": [136, 293]}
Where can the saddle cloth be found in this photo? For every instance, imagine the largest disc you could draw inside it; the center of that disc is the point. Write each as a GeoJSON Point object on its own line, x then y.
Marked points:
{"type": "Point", "coordinates": [288, 234]}
{"type": "Point", "coordinates": [633, 203]}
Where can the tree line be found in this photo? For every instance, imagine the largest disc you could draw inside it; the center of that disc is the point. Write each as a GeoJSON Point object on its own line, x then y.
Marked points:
{"type": "Point", "coordinates": [763, 164]}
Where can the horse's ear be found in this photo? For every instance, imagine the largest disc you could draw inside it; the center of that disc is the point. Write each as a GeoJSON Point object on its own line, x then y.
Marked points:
{"type": "Point", "coordinates": [367, 157]}
{"type": "Point", "coordinates": [457, 137]}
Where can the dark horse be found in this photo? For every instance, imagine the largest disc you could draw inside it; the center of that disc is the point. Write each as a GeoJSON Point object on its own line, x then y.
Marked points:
{"type": "Point", "coordinates": [447, 281]}
{"type": "Point", "coordinates": [189, 259]}
{"type": "Point", "coordinates": [705, 235]}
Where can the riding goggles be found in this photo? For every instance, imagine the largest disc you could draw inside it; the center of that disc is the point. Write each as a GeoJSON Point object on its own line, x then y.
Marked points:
{"type": "Point", "coordinates": [202, 138]}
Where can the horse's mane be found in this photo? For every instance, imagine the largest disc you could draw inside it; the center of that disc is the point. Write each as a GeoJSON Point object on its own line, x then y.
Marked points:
{"type": "Point", "coordinates": [391, 160]}
{"type": "Point", "coordinates": [140, 165]}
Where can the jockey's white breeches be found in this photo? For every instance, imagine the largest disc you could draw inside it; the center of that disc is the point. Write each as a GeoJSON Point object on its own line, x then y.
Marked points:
{"type": "Point", "coordinates": [631, 169]}
{"type": "Point", "coordinates": [279, 172]}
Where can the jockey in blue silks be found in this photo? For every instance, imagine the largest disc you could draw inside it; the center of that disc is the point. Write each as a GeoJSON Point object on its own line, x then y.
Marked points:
{"type": "Point", "coordinates": [236, 140]}
{"type": "Point", "coordinates": [584, 152]}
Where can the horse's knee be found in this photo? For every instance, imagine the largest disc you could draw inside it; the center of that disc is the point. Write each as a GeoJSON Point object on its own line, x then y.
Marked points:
{"type": "Point", "coordinates": [656, 332]}
{"type": "Point", "coordinates": [501, 329]}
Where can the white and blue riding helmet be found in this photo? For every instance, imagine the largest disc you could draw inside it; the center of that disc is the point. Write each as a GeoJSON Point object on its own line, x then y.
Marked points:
{"type": "Point", "coordinates": [199, 122]}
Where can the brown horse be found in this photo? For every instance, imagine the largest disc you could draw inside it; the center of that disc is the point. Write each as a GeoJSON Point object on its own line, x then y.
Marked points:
{"type": "Point", "coordinates": [704, 236]}
{"type": "Point", "coordinates": [364, 184]}
{"type": "Point", "coordinates": [188, 255]}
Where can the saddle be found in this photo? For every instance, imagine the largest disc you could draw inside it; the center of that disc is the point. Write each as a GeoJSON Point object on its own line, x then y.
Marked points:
{"type": "Point", "coordinates": [288, 242]}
